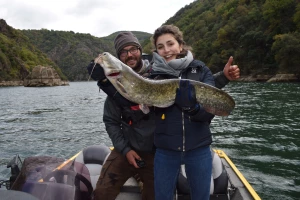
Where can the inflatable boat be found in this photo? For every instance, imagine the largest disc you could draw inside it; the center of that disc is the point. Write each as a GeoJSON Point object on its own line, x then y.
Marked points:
{"type": "Point", "coordinates": [50, 178]}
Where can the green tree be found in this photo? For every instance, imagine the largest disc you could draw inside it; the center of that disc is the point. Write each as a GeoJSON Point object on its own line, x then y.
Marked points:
{"type": "Point", "coordinates": [279, 14]}
{"type": "Point", "coordinates": [287, 50]}
{"type": "Point", "coordinates": [296, 18]}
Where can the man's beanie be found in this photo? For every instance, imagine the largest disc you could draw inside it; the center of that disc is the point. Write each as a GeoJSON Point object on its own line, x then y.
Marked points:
{"type": "Point", "coordinates": [125, 39]}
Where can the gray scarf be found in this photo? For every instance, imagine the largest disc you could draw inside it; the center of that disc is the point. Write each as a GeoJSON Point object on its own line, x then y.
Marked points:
{"type": "Point", "coordinates": [145, 67]}
{"type": "Point", "coordinates": [174, 67]}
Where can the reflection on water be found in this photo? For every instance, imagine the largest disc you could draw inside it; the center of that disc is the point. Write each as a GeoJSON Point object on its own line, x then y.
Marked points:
{"type": "Point", "coordinates": [261, 136]}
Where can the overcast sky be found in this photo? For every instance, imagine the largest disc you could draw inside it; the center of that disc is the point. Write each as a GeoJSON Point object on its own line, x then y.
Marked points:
{"type": "Point", "coordinates": [97, 17]}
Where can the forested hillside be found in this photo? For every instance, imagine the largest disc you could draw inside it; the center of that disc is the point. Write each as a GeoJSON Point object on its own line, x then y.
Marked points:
{"type": "Point", "coordinates": [73, 51]}
{"type": "Point", "coordinates": [18, 56]}
{"type": "Point", "coordinates": [262, 35]}
{"type": "Point", "coordinates": [70, 51]}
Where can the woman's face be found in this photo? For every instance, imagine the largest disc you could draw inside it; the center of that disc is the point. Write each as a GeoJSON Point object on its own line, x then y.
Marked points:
{"type": "Point", "coordinates": [168, 47]}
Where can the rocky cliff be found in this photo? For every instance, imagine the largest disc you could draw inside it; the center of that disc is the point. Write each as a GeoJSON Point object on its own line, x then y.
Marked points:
{"type": "Point", "coordinates": [43, 76]}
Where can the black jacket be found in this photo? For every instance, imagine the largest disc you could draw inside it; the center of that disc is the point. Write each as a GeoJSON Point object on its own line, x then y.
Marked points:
{"type": "Point", "coordinates": [178, 131]}
{"type": "Point", "coordinates": [128, 127]}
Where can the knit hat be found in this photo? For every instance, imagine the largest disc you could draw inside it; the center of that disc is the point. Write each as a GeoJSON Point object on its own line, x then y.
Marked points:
{"type": "Point", "coordinates": [125, 39]}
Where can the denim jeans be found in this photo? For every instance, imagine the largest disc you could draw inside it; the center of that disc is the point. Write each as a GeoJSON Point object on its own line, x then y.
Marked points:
{"type": "Point", "coordinates": [198, 166]}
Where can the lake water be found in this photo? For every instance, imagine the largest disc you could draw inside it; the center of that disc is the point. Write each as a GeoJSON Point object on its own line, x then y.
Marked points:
{"type": "Point", "coordinates": [261, 136]}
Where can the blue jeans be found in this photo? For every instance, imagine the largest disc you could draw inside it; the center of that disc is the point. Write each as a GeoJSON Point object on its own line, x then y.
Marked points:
{"type": "Point", "coordinates": [198, 166]}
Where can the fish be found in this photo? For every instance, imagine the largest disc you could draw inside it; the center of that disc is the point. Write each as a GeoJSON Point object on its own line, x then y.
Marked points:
{"type": "Point", "coordinates": [160, 93]}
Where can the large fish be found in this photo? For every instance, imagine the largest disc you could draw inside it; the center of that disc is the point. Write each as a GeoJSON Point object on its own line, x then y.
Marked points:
{"type": "Point", "coordinates": [160, 93]}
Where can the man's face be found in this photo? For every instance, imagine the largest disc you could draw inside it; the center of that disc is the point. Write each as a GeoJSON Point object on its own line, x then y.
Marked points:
{"type": "Point", "coordinates": [131, 56]}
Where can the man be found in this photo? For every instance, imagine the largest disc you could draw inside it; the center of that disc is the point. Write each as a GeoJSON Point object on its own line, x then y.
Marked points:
{"type": "Point", "coordinates": [130, 130]}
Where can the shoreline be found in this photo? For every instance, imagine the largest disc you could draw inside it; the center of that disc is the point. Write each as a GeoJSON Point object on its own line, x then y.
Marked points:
{"type": "Point", "coordinates": [278, 78]}
{"type": "Point", "coordinates": [21, 83]}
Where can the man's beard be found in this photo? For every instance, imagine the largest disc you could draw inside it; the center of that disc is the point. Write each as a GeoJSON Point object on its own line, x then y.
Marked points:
{"type": "Point", "coordinates": [138, 65]}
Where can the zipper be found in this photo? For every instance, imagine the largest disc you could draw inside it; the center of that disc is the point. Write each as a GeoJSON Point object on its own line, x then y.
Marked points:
{"type": "Point", "coordinates": [183, 131]}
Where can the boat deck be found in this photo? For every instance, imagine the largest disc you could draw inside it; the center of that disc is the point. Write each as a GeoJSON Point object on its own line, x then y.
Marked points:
{"type": "Point", "coordinates": [239, 188]}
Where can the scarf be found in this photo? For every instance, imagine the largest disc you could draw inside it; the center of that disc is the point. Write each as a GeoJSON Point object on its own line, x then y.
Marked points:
{"type": "Point", "coordinates": [145, 67]}
{"type": "Point", "coordinates": [174, 67]}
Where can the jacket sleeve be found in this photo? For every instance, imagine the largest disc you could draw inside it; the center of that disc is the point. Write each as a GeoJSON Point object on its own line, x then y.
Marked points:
{"type": "Point", "coordinates": [111, 91]}
{"type": "Point", "coordinates": [95, 71]}
{"type": "Point", "coordinates": [220, 80]}
{"type": "Point", "coordinates": [113, 123]}
{"type": "Point", "coordinates": [202, 115]}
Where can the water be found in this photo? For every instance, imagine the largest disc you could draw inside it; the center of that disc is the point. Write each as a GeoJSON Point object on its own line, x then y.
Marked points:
{"type": "Point", "coordinates": [262, 136]}
{"type": "Point", "coordinates": [56, 121]}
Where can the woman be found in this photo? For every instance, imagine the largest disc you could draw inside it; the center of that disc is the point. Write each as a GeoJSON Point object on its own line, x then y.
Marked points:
{"type": "Point", "coordinates": [182, 134]}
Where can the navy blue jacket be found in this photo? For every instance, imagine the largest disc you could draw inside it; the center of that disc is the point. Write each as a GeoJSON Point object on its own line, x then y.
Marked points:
{"type": "Point", "coordinates": [178, 131]}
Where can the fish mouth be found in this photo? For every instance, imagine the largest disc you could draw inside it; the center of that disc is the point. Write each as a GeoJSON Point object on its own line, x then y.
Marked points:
{"type": "Point", "coordinates": [114, 74]}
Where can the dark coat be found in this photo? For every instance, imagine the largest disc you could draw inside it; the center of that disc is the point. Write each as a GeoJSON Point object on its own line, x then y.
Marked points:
{"type": "Point", "coordinates": [178, 131]}
{"type": "Point", "coordinates": [128, 128]}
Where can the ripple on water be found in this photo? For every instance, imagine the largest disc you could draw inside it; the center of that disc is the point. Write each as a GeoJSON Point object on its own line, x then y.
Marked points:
{"type": "Point", "coordinates": [267, 184]}
{"type": "Point", "coordinates": [261, 136]}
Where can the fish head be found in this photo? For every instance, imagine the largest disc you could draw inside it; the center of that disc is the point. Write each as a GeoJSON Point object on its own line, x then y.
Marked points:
{"type": "Point", "coordinates": [113, 69]}
{"type": "Point", "coordinates": [121, 76]}
{"type": "Point", "coordinates": [111, 65]}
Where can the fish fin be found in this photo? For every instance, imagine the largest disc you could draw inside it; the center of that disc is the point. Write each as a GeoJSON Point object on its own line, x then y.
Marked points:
{"type": "Point", "coordinates": [121, 87]}
{"type": "Point", "coordinates": [144, 108]}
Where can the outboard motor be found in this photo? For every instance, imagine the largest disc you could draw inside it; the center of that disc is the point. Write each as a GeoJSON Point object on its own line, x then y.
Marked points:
{"type": "Point", "coordinates": [15, 165]}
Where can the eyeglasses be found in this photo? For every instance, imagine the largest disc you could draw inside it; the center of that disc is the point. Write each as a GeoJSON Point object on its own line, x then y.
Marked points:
{"type": "Point", "coordinates": [132, 50]}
